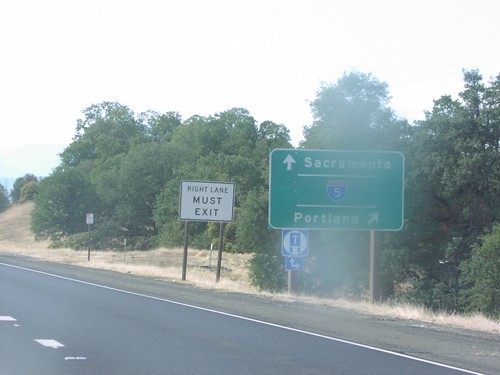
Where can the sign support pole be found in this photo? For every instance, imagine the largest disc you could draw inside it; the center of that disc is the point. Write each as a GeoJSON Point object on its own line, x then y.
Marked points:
{"type": "Point", "coordinates": [184, 258]}
{"type": "Point", "coordinates": [219, 257]}
{"type": "Point", "coordinates": [89, 219]}
{"type": "Point", "coordinates": [88, 245]}
{"type": "Point", "coordinates": [291, 282]}
{"type": "Point", "coordinates": [374, 283]}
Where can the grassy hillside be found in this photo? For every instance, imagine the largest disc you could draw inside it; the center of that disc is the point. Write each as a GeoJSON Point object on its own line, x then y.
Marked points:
{"type": "Point", "coordinates": [16, 237]}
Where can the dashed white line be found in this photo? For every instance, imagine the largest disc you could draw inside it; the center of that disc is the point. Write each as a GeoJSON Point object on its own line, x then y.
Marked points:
{"type": "Point", "coordinates": [50, 343]}
{"type": "Point", "coordinates": [7, 319]}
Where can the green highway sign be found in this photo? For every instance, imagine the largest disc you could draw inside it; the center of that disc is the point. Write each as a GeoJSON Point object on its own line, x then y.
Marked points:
{"type": "Point", "coordinates": [331, 189]}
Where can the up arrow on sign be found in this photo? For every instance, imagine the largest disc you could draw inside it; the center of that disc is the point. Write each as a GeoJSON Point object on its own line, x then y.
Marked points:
{"type": "Point", "coordinates": [289, 161]}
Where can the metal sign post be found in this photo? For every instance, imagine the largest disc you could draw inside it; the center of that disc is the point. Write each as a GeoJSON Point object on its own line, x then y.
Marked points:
{"type": "Point", "coordinates": [89, 219]}
{"type": "Point", "coordinates": [374, 277]}
{"type": "Point", "coordinates": [219, 254]}
{"type": "Point", "coordinates": [184, 257]}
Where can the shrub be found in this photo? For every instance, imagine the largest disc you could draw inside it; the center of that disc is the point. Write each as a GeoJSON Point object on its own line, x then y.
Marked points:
{"type": "Point", "coordinates": [267, 272]}
{"type": "Point", "coordinates": [28, 191]}
{"type": "Point", "coordinates": [480, 277]}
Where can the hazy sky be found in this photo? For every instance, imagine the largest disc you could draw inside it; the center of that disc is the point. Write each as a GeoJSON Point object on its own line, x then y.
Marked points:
{"type": "Point", "coordinates": [206, 56]}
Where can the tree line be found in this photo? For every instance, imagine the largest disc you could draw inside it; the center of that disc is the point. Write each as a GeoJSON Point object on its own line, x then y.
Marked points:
{"type": "Point", "coordinates": [126, 168]}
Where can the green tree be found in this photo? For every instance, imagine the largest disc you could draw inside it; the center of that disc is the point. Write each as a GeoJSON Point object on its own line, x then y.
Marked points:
{"type": "Point", "coordinates": [221, 148]}
{"type": "Point", "coordinates": [4, 199]}
{"type": "Point", "coordinates": [253, 234]}
{"type": "Point", "coordinates": [166, 213]}
{"type": "Point", "coordinates": [274, 135]}
{"type": "Point", "coordinates": [241, 130]}
{"type": "Point", "coordinates": [480, 275]}
{"type": "Point", "coordinates": [354, 114]}
{"type": "Point", "coordinates": [131, 166]}
{"type": "Point", "coordinates": [452, 192]}
{"type": "Point", "coordinates": [160, 127]}
{"type": "Point", "coordinates": [15, 194]}
{"type": "Point", "coordinates": [63, 200]}
{"type": "Point", "coordinates": [28, 191]}
{"type": "Point", "coordinates": [231, 132]}
{"type": "Point", "coordinates": [107, 129]}
{"type": "Point", "coordinates": [267, 271]}
{"type": "Point", "coordinates": [270, 137]}
{"type": "Point", "coordinates": [128, 187]}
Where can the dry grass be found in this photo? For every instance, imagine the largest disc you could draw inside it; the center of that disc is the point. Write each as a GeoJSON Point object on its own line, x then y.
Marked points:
{"type": "Point", "coordinates": [16, 237]}
{"type": "Point", "coordinates": [405, 311]}
{"type": "Point", "coordinates": [166, 264]}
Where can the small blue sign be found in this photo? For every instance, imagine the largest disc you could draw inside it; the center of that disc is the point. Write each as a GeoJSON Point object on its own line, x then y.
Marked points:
{"type": "Point", "coordinates": [294, 242]}
{"type": "Point", "coordinates": [295, 263]}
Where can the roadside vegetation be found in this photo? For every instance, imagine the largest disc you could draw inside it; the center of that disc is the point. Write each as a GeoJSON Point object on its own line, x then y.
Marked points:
{"type": "Point", "coordinates": [126, 169]}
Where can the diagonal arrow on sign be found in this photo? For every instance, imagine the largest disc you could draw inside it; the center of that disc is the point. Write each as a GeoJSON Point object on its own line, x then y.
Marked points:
{"type": "Point", "coordinates": [373, 218]}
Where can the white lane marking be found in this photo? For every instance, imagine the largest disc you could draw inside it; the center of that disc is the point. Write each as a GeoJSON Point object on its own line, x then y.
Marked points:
{"type": "Point", "coordinates": [50, 343]}
{"type": "Point", "coordinates": [252, 320]}
{"type": "Point", "coordinates": [75, 358]}
{"type": "Point", "coordinates": [7, 319]}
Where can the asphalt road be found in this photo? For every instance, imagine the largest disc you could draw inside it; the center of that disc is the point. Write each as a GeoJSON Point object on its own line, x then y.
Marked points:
{"type": "Point", "coordinates": [60, 319]}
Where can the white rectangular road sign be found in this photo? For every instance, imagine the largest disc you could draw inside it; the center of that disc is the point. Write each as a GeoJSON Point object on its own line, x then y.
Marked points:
{"type": "Point", "coordinates": [206, 201]}
{"type": "Point", "coordinates": [89, 219]}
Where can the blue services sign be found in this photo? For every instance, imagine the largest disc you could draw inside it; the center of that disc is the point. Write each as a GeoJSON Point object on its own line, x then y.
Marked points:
{"type": "Point", "coordinates": [295, 242]}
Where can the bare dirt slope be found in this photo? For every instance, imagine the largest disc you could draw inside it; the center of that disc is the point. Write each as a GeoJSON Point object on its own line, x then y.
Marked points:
{"type": "Point", "coordinates": [15, 233]}
{"type": "Point", "coordinates": [16, 236]}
